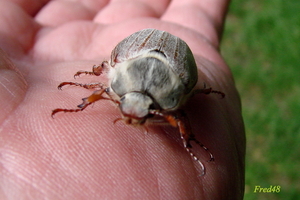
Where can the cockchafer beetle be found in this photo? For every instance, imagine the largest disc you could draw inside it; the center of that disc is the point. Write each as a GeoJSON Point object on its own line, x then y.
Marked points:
{"type": "Point", "coordinates": [152, 73]}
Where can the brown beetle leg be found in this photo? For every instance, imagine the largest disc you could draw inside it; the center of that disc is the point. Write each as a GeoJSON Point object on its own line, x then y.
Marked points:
{"type": "Point", "coordinates": [97, 70]}
{"type": "Point", "coordinates": [180, 120]}
{"type": "Point", "coordinates": [208, 91]}
{"type": "Point", "coordinates": [96, 96]}
{"type": "Point", "coordinates": [86, 86]}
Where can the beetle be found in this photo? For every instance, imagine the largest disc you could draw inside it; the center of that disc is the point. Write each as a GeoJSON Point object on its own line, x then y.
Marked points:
{"type": "Point", "coordinates": [152, 73]}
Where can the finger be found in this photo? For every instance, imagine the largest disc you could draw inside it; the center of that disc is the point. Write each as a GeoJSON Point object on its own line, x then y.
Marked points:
{"type": "Point", "coordinates": [12, 86]}
{"type": "Point", "coordinates": [17, 28]}
{"type": "Point", "coordinates": [30, 6]}
{"type": "Point", "coordinates": [205, 17]}
{"type": "Point", "coordinates": [120, 10]}
{"type": "Point", "coordinates": [59, 12]}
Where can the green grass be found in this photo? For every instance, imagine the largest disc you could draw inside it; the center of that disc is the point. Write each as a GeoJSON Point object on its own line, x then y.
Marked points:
{"type": "Point", "coordinates": [261, 44]}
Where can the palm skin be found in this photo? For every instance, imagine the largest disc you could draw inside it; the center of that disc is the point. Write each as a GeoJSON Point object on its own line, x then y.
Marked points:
{"type": "Point", "coordinates": [84, 155]}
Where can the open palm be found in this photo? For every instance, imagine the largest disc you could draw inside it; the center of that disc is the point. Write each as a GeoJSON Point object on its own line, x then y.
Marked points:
{"type": "Point", "coordinates": [84, 155]}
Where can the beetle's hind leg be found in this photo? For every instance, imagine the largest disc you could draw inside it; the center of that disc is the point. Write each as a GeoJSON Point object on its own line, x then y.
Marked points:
{"type": "Point", "coordinates": [97, 70]}
{"type": "Point", "coordinates": [192, 138]}
{"type": "Point", "coordinates": [96, 96]}
{"type": "Point", "coordinates": [209, 90]}
{"type": "Point", "coordinates": [186, 134]}
{"type": "Point", "coordinates": [180, 120]}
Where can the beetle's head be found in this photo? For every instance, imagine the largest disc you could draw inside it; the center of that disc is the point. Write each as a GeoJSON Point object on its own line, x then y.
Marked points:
{"type": "Point", "coordinates": [135, 107]}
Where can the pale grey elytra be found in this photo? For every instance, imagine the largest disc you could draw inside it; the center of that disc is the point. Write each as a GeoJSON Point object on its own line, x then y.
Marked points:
{"type": "Point", "coordinates": [152, 73]}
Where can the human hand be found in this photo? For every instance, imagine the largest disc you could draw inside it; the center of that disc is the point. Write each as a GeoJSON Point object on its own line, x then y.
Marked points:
{"type": "Point", "coordinates": [84, 155]}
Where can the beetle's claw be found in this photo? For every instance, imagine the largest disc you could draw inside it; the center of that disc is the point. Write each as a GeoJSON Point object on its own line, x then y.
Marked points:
{"type": "Point", "coordinates": [60, 86]}
{"type": "Point", "coordinates": [218, 92]}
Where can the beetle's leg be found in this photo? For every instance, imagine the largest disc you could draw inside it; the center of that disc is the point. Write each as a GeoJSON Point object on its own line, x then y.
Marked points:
{"type": "Point", "coordinates": [208, 91]}
{"type": "Point", "coordinates": [180, 120]}
{"type": "Point", "coordinates": [96, 96]}
{"type": "Point", "coordinates": [97, 70]}
{"type": "Point", "coordinates": [86, 86]}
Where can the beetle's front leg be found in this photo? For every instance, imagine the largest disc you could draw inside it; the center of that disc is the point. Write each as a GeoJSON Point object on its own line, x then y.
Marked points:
{"type": "Point", "coordinates": [86, 86]}
{"type": "Point", "coordinates": [97, 70]}
{"type": "Point", "coordinates": [96, 96]}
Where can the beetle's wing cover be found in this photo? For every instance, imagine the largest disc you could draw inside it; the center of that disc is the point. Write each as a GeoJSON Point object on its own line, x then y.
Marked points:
{"type": "Point", "coordinates": [177, 52]}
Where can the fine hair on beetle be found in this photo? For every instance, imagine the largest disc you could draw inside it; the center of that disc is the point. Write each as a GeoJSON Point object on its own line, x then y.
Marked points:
{"type": "Point", "coordinates": [151, 75]}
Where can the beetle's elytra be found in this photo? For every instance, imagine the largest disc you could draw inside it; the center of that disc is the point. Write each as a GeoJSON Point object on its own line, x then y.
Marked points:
{"type": "Point", "coordinates": [151, 73]}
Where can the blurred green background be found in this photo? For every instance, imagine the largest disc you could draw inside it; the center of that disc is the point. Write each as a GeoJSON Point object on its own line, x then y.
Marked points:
{"type": "Point", "coordinates": [261, 44]}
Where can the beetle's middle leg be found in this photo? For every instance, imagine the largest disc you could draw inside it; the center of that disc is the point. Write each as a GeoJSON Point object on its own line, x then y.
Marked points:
{"type": "Point", "coordinates": [97, 71]}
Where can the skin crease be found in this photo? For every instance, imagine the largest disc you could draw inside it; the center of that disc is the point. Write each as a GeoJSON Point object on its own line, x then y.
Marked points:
{"type": "Point", "coordinates": [84, 155]}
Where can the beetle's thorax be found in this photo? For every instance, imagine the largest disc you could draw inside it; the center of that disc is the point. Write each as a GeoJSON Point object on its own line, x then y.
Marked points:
{"type": "Point", "coordinates": [150, 75]}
